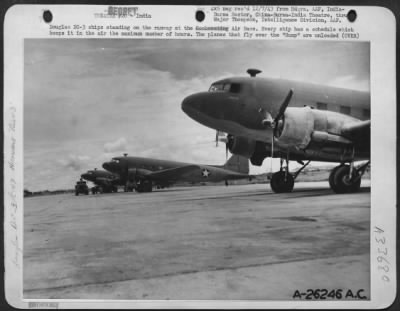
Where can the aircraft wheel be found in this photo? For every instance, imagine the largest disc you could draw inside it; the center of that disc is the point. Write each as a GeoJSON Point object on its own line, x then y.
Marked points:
{"type": "Point", "coordinates": [148, 186]}
{"type": "Point", "coordinates": [144, 186]}
{"type": "Point", "coordinates": [341, 183]}
{"type": "Point", "coordinates": [281, 183]}
{"type": "Point", "coordinates": [332, 176]}
{"type": "Point", "coordinates": [140, 188]}
{"type": "Point", "coordinates": [76, 193]}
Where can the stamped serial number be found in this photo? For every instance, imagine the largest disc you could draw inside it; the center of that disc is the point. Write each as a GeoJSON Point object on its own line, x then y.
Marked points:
{"type": "Point", "coordinates": [323, 294]}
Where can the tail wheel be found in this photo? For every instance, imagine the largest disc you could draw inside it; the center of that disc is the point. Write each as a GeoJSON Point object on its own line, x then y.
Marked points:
{"type": "Point", "coordinates": [341, 182]}
{"type": "Point", "coordinates": [282, 182]}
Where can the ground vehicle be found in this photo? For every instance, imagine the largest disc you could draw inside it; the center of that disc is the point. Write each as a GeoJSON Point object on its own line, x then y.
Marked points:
{"type": "Point", "coordinates": [81, 187]}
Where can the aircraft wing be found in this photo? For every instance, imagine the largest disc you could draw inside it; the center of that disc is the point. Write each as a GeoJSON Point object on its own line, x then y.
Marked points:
{"type": "Point", "coordinates": [358, 132]}
{"type": "Point", "coordinates": [172, 173]}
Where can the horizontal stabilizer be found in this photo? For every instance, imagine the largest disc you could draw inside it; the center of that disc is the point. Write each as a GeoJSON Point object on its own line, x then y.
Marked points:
{"type": "Point", "coordinates": [237, 163]}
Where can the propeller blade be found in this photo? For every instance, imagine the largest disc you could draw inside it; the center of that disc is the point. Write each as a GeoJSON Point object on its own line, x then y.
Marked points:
{"type": "Point", "coordinates": [272, 152]}
{"type": "Point", "coordinates": [284, 105]}
{"type": "Point", "coordinates": [216, 138]}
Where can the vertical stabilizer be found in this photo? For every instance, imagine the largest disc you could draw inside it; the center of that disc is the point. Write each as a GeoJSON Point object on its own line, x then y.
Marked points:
{"type": "Point", "coordinates": [237, 164]}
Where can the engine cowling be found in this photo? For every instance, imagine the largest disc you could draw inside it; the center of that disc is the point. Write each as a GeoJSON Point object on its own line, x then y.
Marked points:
{"type": "Point", "coordinates": [300, 126]}
{"type": "Point", "coordinates": [241, 146]}
{"type": "Point", "coordinates": [137, 173]}
{"type": "Point", "coordinates": [294, 129]}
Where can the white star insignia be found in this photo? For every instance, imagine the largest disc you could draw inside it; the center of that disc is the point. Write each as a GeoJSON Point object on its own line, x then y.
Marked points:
{"type": "Point", "coordinates": [205, 172]}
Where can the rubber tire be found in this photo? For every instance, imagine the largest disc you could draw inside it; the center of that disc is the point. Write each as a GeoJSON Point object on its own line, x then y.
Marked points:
{"type": "Point", "coordinates": [278, 183]}
{"type": "Point", "coordinates": [332, 176]}
{"type": "Point", "coordinates": [339, 184]}
{"type": "Point", "coordinates": [144, 186]}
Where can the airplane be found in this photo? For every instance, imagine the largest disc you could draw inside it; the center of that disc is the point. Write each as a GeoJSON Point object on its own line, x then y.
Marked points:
{"type": "Point", "coordinates": [142, 174]}
{"type": "Point", "coordinates": [290, 120]}
{"type": "Point", "coordinates": [104, 181]}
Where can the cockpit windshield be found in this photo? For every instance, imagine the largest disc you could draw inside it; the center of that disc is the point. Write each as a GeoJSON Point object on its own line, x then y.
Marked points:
{"type": "Point", "coordinates": [115, 160]}
{"type": "Point", "coordinates": [225, 87]}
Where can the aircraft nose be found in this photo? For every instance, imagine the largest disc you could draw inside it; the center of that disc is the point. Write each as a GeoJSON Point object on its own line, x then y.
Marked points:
{"type": "Point", "coordinates": [85, 176]}
{"type": "Point", "coordinates": [107, 166]}
{"type": "Point", "coordinates": [192, 103]}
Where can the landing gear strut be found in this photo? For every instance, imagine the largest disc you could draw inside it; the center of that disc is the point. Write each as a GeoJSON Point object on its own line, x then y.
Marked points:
{"type": "Point", "coordinates": [346, 178]}
{"type": "Point", "coordinates": [283, 181]}
{"type": "Point", "coordinates": [144, 186]}
{"type": "Point", "coordinates": [129, 186]}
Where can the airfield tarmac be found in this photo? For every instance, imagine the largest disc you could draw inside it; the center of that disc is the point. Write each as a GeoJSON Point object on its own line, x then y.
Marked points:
{"type": "Point", "coordinates": [203, 242]}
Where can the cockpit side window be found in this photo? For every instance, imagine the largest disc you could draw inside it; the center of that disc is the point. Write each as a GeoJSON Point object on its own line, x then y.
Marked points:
{"type": "Point", "coordinates": [225, 87]}
{"type": "Point", "coordinates": [216, 88]}
{"type": "Point", "coordinates": [235, 88]}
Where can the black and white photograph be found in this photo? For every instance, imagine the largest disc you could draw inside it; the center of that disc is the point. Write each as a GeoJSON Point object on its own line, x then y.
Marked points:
{"type": "Point", "coordinates": [197, 170]}
{"type": "Point", "coordinates": [128, 196]}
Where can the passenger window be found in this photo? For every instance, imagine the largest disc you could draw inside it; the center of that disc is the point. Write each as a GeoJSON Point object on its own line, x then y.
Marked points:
{"type": "Point", "coordinates": [345, 110]}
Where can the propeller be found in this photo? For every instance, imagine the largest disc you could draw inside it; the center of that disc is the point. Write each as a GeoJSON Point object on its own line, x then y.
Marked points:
{"type": "Point", "coordinates": [283, 107]}
{"type": "Point", "coordinates": [273, 122]}
{"type": "Point", "coordinates": [222, 137]}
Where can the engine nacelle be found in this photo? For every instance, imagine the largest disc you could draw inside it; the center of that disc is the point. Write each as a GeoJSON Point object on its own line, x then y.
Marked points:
{"type": "Point", "coordinates": [295, 128]}
{"type": "Point", "coordinates": [300, 126]}
{"type": "Point", "coordinates": [241, 146]}
{"type": "Point", "coordinates": [137, 173]}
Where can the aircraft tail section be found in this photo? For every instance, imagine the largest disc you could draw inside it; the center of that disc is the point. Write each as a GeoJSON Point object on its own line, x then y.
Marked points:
{"type": "Point", "coordinates": [238, 164]}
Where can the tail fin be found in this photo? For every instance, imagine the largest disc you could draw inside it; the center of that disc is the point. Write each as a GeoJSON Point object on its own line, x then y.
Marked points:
{"type": "Point", "coordinates": [238, 164]}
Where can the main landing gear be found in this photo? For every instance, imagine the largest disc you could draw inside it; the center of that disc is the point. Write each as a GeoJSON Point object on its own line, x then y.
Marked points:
{"type": "Point", "coordinates": [140, 185]}
{"type": "Point", "coordinates": [144, 186]}
{"type": "Point", "coordinates": [283, 181]}
{"type": "Point", "coordinates": [129, 186]}
{"type": "Point", "coordinates": [346, 178]}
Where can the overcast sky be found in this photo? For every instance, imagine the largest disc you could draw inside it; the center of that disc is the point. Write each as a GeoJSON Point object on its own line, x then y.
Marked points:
{"type": "Point", "coordinates": [87, 100]}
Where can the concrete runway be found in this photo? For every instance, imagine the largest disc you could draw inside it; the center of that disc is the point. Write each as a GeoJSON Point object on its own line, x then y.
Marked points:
{"type": "Point", "coordinates": [214, 242]}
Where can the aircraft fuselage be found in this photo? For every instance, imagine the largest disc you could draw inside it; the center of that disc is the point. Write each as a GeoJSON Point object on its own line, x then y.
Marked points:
{"type": "Point", "coordinates": [240, 105]}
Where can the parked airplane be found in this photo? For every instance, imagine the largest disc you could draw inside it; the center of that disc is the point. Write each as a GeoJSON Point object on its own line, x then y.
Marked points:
{"type": "Point", "coordinates": [104, 181]}
{"type": "Point", "coordinates": [144, 173]}
{"type": "Point", "coordinates": [289, 120]}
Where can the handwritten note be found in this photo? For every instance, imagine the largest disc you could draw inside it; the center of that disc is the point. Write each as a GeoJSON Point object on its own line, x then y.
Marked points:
{"type": "Point", "coordinates": [12, 188]}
